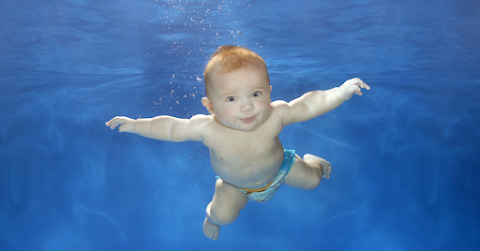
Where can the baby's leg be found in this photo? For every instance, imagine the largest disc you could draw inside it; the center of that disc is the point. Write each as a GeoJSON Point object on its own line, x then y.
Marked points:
{"type": "Point", "coordinates": [223, 209]}
{"type": "Point", "coordinates": [307, 173]}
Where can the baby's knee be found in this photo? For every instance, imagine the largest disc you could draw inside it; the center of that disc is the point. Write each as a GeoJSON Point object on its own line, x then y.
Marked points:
{"type": "Point", "coordinates": [221, 217]}
{"type": "Point", "coordinates": [313, 182]}
{"type": "Point", "coordinates": [312, 179]}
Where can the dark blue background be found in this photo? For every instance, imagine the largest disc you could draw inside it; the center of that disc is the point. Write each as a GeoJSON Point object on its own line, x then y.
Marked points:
{"type": "Point", "coordinates": [405, 156]}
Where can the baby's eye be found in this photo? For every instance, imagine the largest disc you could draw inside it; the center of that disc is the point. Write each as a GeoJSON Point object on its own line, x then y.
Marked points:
{"type": "Point", "coordinates": [231, 99]}
{"type": "Point", "coordinates": [257, 94]}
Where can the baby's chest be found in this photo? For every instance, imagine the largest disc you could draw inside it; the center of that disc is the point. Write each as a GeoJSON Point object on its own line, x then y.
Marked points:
{"type": "Point", "coordinates": [229, 143]}
{"type": "Point", "coordinates": [242, 146]}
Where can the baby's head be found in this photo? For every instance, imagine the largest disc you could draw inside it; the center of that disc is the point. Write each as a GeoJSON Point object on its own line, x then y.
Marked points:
{"type": "Point", "coordinates": [228, 58]}
{"type": "Point", "coordinates": [237, 87]}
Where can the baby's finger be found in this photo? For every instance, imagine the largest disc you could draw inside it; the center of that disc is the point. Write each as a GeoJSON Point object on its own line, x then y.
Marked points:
{"type": "Point", "coordinates": [109, 122]}
{"type": "Point", "coordinates": [363, 85]}
{"type": "Point", "coordinates": [112, 124]}
{"type": "Point", "coordinates": [358, 91]}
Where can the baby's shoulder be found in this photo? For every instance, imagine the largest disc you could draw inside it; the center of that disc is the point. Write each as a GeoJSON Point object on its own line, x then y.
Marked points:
{"type": "Point", "coordinates": [279, 107]}
{"type": "Point", "coordinates": [199, 125]}
{"type": "Point", "coordinates": [201, 120]}
{"type": "Point", "coordinates": [279, 103]}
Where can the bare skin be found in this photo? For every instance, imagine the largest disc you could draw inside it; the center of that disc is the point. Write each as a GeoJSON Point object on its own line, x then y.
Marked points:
{"type": "Point", "coordinates": [241, 133]}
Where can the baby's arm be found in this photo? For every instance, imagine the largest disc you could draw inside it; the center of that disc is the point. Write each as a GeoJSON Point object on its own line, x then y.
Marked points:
{"type": "Point", "coordinates": [316, 103]}
{"type": "Point", "coordinates": [165, 128]}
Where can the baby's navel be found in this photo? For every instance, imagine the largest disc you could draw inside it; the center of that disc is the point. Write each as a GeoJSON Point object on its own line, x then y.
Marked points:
{"type": "Point", "coordinates": [271, 148]}
{"type": "Point", "coordinates": [221, 157]}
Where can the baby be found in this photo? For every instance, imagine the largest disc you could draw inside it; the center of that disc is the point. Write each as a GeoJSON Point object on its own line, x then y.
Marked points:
{"type": "Point", "coordinates": [242, 133]}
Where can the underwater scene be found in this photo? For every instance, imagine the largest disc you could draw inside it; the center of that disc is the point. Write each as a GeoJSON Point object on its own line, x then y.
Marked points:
{"type": "Point", "coordinates": [405, 156]}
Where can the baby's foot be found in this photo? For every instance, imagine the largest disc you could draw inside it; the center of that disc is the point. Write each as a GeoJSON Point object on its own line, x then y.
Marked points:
{"type": "Point", "coordinates": [210, 230]}
{"type": "Point", "coordinates": [326, 167]}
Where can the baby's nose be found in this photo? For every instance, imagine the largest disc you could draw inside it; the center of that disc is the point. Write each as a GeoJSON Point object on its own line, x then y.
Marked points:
{"type": "Point", "coordinates": [247, 106]}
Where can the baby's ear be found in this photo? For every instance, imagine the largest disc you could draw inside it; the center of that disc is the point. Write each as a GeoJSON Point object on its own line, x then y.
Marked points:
{"type": "Point", "coordinates": [206, 102]}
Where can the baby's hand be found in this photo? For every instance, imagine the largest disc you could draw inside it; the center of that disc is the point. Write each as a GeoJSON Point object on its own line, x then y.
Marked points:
{"type": "Point", "coordinates": [352, 86]}
{"type": "Point", "coordinates": [126, 124]}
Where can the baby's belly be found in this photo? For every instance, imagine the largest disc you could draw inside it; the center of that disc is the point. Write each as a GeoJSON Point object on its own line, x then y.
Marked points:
{"type": "Point", "coordinates": [248, 170]}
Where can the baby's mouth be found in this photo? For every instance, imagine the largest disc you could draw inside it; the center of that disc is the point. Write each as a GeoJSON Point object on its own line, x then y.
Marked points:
{"type": "Point", "coordinates": [248, 120]}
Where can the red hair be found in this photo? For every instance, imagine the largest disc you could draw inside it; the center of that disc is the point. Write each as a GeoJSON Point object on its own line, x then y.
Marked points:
{"type": "Point", "coordinates": [228, 58]}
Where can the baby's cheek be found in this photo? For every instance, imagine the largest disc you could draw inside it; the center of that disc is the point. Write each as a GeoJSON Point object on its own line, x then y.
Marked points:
{"type": "Point", "coordinates": [231, 112]}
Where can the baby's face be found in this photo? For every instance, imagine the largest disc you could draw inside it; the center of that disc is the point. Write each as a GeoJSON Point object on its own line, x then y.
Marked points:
{"type": "Point", "coordinates": [241, 99]}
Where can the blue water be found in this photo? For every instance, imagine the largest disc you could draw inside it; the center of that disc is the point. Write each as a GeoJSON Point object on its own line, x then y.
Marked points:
{"type": "Point", "coordinates": [405, 156]}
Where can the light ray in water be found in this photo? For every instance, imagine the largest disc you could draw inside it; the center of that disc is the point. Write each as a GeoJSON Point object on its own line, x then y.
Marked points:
{"type": "Point", "coordinates": [100, 213]}
{"type": "Point", "coordinates": [336, 142]}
